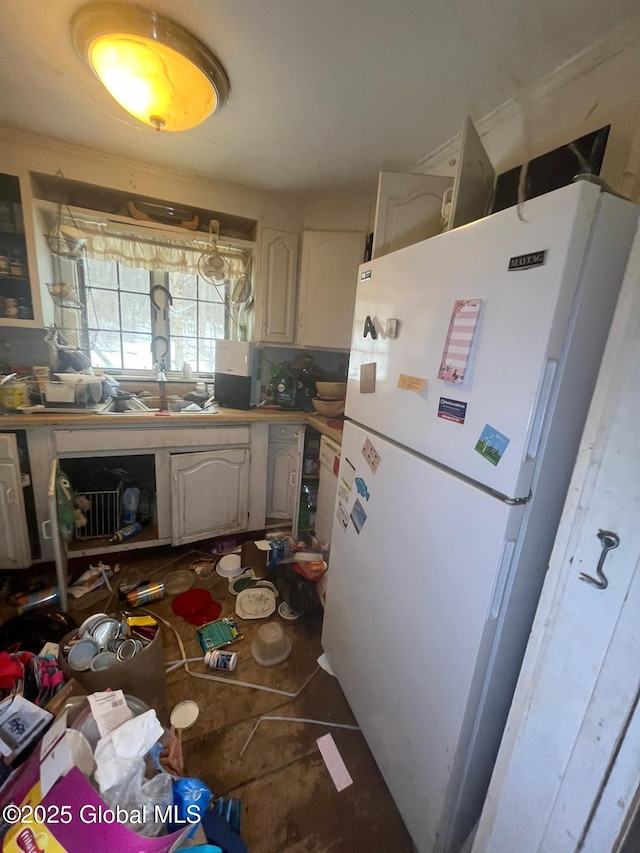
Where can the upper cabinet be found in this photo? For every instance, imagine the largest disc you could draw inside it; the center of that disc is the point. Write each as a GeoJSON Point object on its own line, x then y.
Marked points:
{"type": "Point", "coordinates": [16, 300]}
{"type": "Point", "coordinates": [408, 210]}
{"type": "Point", "coordinates": [473, 187]}
{"type": "Point", "coordinates": [328, 279]}
{"type": "Point", "coordinates": [276, 287]}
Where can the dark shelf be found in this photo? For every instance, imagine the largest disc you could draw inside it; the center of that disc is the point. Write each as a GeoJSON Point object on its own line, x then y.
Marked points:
{"type": "Point", "coordinates": [23, 279]}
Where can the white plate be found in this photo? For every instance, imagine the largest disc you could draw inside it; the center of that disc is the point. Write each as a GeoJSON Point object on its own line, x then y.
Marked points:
{"type": "Point", "coordinates": [255, 603]}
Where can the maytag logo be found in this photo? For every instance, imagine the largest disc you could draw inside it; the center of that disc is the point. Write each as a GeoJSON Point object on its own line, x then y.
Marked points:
{"type": "Point", "coordinates": [525, 262]}
{"type": "Point", "coordinates": [365, 275]}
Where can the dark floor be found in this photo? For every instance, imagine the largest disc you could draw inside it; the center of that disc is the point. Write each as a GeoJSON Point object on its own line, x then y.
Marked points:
{"type": "Point", "coordinates": [289, 801]}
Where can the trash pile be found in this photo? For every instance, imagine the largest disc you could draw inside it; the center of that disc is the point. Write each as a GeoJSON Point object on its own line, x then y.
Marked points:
{"type": "Point", "coordinates": [108, 765]}
{"type": "Point", "coordinates": [112, 757]}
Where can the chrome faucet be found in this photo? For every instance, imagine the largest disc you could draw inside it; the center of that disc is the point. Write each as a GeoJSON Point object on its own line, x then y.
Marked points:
{"type": "Point", "coordinates": [161, 372]}
{"type": "Point", "coordinates": [160, 368]}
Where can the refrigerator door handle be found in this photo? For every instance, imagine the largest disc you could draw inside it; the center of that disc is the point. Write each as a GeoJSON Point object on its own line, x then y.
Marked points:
{"type": "Point", "coordinates": [501, 579]}
{"type": "Point", "coordinates": [541, 407]}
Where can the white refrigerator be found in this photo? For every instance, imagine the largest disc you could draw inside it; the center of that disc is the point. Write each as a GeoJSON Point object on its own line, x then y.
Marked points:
{"type": "Point", "coordinates": [474, 356]}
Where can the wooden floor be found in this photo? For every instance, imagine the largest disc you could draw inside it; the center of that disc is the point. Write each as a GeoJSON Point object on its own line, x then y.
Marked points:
{"type": "Point", "coordinates": [289, 801]}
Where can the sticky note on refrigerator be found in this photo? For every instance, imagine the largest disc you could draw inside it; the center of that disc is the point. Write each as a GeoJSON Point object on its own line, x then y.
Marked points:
{"type": "Point", "coordinates": [457, 348]}
{"type": "Point", "coordinates": [411, 383]}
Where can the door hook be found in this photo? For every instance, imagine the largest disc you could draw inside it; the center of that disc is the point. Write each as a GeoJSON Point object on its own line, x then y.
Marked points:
{"type": "Point", "coordinates": [609, 541]}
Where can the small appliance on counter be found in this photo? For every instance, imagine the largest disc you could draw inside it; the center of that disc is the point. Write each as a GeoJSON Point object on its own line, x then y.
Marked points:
{"type": "Point", "coordinates": [237, 374]}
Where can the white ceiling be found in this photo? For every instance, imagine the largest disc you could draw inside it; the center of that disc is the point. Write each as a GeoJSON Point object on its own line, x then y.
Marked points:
{"type": "Point", "coordinates": [324, 93]}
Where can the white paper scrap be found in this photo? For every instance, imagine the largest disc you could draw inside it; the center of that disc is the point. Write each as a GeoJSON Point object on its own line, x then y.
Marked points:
{"type": "Point", "coordinates": [335, 765]}
{"type": "Point", "coordinates": [323, 661]}
{"type": "Point", "coordinates": [110, 710]}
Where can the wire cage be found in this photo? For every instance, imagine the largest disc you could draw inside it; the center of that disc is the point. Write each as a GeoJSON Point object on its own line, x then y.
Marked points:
{"type": "Point", "coordinates": [102, 515]}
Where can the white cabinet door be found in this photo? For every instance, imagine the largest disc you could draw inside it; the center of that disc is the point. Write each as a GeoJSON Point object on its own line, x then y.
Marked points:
{"type": "Point", "coordinates": [408, 210]}
{"type": "Point", "coordinates": [328, 279]}
{"type": "Point", "coordinates": [209, 494]}
{"type": "Point", "coordinates": [283, 471]}
{"type": "Point", "coordinates": [276, 286]}
{"type": "Point", "coordinates": [59, 545]}
{"type": "Point", "coordinates": [15, 552]}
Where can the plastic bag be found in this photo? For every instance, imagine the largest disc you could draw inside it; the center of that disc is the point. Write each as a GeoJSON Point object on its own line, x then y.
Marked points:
{"type": "Point", "coordinates": [140, 796]}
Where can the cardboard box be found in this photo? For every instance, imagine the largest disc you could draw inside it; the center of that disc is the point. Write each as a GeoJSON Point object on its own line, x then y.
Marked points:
{"type": "Point", "coordinates": [262, 554]}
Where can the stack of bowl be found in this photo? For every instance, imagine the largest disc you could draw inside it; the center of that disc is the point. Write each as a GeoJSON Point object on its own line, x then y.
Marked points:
{"type": "Point", "coordinates": [329, 399]}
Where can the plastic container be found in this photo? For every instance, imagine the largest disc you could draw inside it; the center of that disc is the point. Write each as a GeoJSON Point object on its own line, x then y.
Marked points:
{"type": "Point", "coordinates": [130, 498]}
{"type": "Point", "coordinates": [270, 645]}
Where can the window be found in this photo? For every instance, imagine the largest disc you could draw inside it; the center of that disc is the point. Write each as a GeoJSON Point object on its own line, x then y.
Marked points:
{"type": "Point", "coordinates": [121, 321]}
{"type": "Point", "coordinates": [127, 312]}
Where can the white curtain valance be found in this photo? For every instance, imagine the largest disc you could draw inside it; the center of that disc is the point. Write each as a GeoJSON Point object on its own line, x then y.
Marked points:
{"type": "Point", "coordinates": [143, 247]}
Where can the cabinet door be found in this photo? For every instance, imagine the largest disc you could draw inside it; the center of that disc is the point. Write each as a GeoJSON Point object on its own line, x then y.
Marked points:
{"type": "Point", "coordinates": [283, 467]}
{"type": "Point", "coordinates": [408, 210]}
{"type": "Point", "coordinates": [328, 279]}
{"type": "Point", "coordinates": [16, 299]}
{"type": "Point", "coordinates": [209, 494]}
{"type": "Point", "coordinates": [14, 542]}
{"type": "Point", "coordinates": [59, 546]}
{"type": "Point", "coordinates": [276, 290]}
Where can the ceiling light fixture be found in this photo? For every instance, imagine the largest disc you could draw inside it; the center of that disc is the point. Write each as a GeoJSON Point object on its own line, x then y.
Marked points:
{"type": "Point", "coordinates": [155, 69]}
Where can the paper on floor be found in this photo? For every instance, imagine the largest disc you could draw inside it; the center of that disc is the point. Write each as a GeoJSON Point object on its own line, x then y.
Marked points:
{"type": "Point", "coordinates": [335, 765]}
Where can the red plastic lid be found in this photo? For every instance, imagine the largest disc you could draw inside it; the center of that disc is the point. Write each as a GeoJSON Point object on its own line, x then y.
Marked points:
{"type": "Point", "coordinates": [209, 614]}
{"type": "Point", "coordinates": [190, 602]}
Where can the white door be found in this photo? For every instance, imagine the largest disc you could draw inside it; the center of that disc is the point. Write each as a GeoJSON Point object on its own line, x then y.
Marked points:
{"type": "Point", "coordinates": [415, 584]}
{"type": "Point", "coordinates": [408, 210]}
{"type": "Point", "coordinates": [329, 263]}
{"type": "Point", "coordinates": [15, 551]}
{"type": "Point", "coordinates": [210, 494]}
{"type": "Point", "coordinates": [567, 770]}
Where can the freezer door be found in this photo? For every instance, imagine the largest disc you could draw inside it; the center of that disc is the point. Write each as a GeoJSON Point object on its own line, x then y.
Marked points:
{"type": "Point", "coordinates": [415, 583]}
{"type": "Point", "coordinates": [516, 354]}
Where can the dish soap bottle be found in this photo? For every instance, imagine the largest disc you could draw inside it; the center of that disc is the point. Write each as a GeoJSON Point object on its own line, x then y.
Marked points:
{"type": "Point", "coordinates": [125, 533]}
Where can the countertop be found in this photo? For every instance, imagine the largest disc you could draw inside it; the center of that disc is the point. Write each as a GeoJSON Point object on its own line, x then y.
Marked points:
{"type": "Point", "coordinates": [326, 426]}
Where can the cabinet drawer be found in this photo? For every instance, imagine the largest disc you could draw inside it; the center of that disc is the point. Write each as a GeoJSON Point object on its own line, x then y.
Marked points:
{"type": "Point", "coordinates": [139, 438]}
{"type": "Point", "coordinates": [284, 432]}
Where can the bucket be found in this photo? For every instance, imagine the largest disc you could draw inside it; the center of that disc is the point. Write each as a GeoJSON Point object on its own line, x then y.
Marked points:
{"type": "Point", "coordinates": [14, 394]}
{"type": "Point", "coordinates": [141, 676]}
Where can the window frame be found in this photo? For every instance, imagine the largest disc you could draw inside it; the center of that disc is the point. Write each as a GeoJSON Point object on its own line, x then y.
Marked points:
{"type": "Point", "coordinates": [74, 271]}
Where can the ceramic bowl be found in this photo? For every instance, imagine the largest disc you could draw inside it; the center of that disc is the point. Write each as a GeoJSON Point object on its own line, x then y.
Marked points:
{"type": "Point", "coordinates": [335, 390]}
{"type": "Point", "coordinates": [328, 408]}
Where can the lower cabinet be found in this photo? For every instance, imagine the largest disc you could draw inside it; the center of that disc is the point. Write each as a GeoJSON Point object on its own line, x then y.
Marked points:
{"type": "Point", "coordinates": [210, 494]}
{"type": "Point", "coordinates": [15, 552]}
{"type": "Point", "coordinates": [284, 472]}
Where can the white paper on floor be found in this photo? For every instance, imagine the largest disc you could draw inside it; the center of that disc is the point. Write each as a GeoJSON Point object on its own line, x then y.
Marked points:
{"type": "Point", "coordinates": [323, 661]}
{"type": "Point", "coordinates": [335, 765]}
